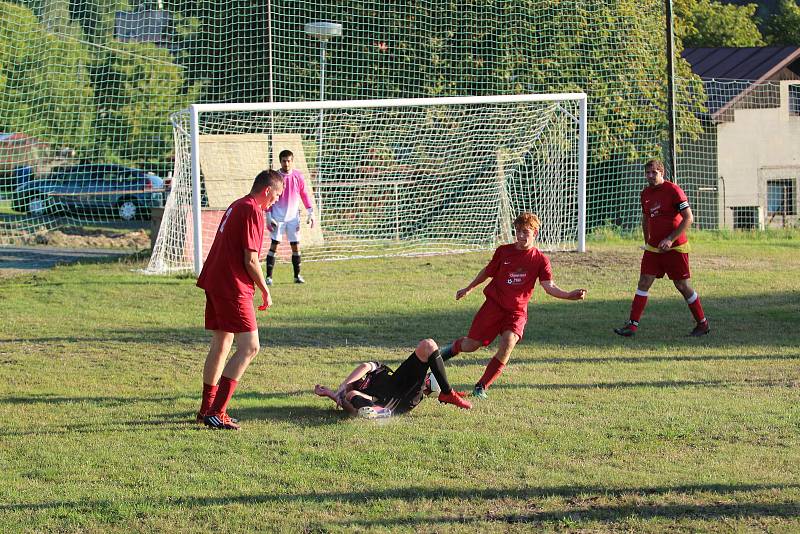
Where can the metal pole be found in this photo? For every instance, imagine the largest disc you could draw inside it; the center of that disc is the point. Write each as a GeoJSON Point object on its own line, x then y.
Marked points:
{"type": "Point", "coordinates": [271, 85]}
{"type": "Point", "coordinates": [673, 165]}
{"type": "Point", "coordinates": [197, 226]}
{"type": "Point", "coordinates": [583, 143]}
{"type": "Point", "coordinates": [323, 42]}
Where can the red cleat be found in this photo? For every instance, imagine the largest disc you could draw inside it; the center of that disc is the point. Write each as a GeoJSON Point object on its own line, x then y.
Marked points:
{"type": "Point", "coordinates": [455, 399]}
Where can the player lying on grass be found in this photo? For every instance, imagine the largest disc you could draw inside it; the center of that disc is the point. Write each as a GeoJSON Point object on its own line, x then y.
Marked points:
{"type": "Point", "coordinates": [372, 390]}
{"type": "Point", "coordinates": [514, 269]}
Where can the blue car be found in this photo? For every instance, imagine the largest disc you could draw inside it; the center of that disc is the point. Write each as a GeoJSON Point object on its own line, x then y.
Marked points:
{"type": "Point", "coordinates": [107, 190]}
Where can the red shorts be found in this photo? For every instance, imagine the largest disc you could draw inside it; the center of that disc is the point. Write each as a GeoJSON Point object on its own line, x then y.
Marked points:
{"type": "Point", "coordinates": [492, 320]}
{"type": "Point", "coordinates": [674, 264]}
{"type": "Point", "coordinates": [230, 315]}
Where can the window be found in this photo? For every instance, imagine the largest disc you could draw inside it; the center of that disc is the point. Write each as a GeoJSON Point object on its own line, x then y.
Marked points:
{"type": "Point", "coordinates": [781, 197]}
{"type": "Point", "coordinates": [794, 99]}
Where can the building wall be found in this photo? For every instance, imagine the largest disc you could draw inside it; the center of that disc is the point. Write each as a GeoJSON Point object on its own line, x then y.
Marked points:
{"type": "Point", "coordinates": [759, 145]}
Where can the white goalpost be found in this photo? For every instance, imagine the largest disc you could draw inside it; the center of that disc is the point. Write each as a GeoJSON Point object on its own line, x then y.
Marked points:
{"type": "Point", "coordinates": [393, 177]}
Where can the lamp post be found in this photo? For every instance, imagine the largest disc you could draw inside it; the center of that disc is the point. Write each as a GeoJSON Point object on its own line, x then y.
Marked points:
{"type": "Point", "coordinates": [322, 31]}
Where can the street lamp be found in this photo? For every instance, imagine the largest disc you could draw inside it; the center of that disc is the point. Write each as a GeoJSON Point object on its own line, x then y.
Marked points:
{"type": "Point", "coordinates": [322, 31]}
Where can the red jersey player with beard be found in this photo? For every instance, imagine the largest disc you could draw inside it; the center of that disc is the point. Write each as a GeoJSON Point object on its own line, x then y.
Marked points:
{"type": "Point", "coordinates": [514, 270]}
{"type": "Point", "coordinates": [666, 216]}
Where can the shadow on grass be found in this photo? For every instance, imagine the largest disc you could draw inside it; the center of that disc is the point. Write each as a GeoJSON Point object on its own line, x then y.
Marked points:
{"type": "Point", "coordinates": [737, 504]}
{"type": "Point", "coordinates": [735, 321]}
{"type": "Point", "coordinates": [459, 361]}
{"type": "Point", "coordinates": [667, 384]}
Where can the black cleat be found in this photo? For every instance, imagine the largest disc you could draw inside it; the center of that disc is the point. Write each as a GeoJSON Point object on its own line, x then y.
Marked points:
{"type": "Point", "coordinates": [220, 422]}
{"type": "Point", "coordinates": [627, 330]}
{"type": "Point", "coordinates": [701, 329]}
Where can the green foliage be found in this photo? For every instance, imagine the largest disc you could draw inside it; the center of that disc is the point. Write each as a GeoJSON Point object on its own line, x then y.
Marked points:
{"type": "Point", "coordinates": [709, 23]}
{"type": "Point", "coordinates": [44, 81]}
{"type": "Point", "coordinates": [137, 86]}
{"type": "Point", "coordinates": [783, 27]}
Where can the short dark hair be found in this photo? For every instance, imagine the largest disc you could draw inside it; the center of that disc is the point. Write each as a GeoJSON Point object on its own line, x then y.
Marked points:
{"type": "Point", "coordinates": [656, 164]}
{"type": "Point", "coordinates": [285, 154]}
{"type": "Point", "coordinates": [266, 178]}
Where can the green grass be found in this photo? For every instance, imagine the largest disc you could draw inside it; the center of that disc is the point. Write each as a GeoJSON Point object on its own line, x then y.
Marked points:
{"type": "Point", "coordinates": [584, 431]}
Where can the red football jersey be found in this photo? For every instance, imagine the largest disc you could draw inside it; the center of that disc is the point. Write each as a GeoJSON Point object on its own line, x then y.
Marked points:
{"type": "Point", "coordinates": [514, 273]}
{"type": "Point", "coordinates": [662, 207]}
{"type": "Point", "coordinates": [241, 228]}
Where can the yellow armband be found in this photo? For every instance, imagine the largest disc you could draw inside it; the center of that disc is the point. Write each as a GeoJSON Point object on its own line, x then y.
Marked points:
{"type": "Point", "coordinates": [684, 248]}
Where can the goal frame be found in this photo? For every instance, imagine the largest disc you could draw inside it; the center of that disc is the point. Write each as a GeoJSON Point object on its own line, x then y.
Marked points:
{"type": "Point", "coordinates": [195, 111]}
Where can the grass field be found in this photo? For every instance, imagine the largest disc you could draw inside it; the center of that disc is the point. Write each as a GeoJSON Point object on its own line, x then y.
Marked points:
{"type": "Point", "coordinates": [584, 431]}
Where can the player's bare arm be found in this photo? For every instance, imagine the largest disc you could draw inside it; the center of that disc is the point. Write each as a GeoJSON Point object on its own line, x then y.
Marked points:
{"type": "Point", "coordinates": [479, 279]}
{"type": "Point", "coordinates": [554, 291]}
{"type": "Point", "coordinates": [254, 270]}
{"type": "Point", "coordinates": [356, 374]}
{"type": "Point", "coordinates": [686, 221]}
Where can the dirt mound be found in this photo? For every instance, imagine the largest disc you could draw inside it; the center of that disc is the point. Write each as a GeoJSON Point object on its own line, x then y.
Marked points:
{"type": "Point", "coordinates": [92, 238]}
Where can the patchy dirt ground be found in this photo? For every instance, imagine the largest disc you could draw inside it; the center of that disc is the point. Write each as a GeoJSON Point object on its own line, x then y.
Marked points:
{"type": "Point", "coordinates": [90, 238]}
{"type": "Point", "coordinates": [47, 248]}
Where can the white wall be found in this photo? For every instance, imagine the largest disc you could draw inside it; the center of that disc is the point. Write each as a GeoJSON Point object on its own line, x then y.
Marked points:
{"type": "Point", "coordinates": [759, 145]}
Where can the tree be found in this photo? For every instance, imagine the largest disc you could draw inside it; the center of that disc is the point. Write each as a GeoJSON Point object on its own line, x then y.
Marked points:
{"type": "Point", "coordinates": [44, 81]}
{"type": "Point", "coordinates": [708, 23]}
{"type": "Point", "coordinates": [783, 27]}
{"type": "Point", "coordinates": [138, 86]}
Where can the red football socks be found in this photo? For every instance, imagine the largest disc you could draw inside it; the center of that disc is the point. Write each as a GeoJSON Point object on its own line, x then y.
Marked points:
{"type": "Point", "coordinates": [637, 306]}
{"type": "Point", "coordinates": [493, 370]}
{"type": "Point", "coordinates": [224, 393]}
{"type": "Point", "coordinates": [209, 393]}
{"type": "Point", "coordinates": [696, 308]}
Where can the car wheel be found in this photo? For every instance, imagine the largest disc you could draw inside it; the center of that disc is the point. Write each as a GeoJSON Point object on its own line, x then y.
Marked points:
{"type": "Point", "coordinates": [39, 204]}
{"type": "Point", "coordinates": [127, 210]}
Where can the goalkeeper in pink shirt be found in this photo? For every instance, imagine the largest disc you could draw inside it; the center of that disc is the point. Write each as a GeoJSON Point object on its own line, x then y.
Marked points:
{"type": "Point", "coordinates": [284, 216]}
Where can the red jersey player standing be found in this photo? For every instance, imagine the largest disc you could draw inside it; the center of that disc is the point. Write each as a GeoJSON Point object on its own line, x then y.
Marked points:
{"type": "Point", "coordinates": [514, 270]}
{"type": "Point", "coordinates": [228, 277]}
{"type": "Point", "coordinates": [666, 216]}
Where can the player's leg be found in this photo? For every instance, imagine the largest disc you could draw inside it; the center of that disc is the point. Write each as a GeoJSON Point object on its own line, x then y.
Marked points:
{"type": "Point", "coordinates": [357, 403]}
{"type": "Point", "coordinates": [508, 340]}
{"type": "Point", "coordinates": [483, 330]}
{"type": "Point", "coordinates": [428, 352]}
{"type": "Point", "coordinates": [293, 235]}
{"type": "Point", "coordinates": [296, 262]}
{"type": "Point", "coordinates": [247, 347]}
{"type": "Point", "coordinates": [219, 348]}
{"type": "Point", "coordinates": [241, 319]}
{"type": "Point", "coordinates": [462, 344]}
{"type": "Point", "coordinates": [650, 270]}
{"type": "Point", "coordinates": [693, 301]}
{"type": "Point", "coordinates": [212, 370]}
{"type": "Point", "coordinates": [273, 248]}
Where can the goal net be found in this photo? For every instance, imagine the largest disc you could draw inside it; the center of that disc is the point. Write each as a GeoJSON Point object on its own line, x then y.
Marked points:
{"type": "Point", "coordinates": [389, 177]}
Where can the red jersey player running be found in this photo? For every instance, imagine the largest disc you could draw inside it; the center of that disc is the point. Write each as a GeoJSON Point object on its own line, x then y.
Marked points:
{"type": "Point", "coordinates": [666, 216]}
{"type": "Point", "coordinates": [514, 270]}
{"type": "Point", "coordinates": [228, 275]}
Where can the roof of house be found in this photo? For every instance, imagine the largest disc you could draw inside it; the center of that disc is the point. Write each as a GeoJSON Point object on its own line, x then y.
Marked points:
{"type": "Point", "coordinates": [729, 74]}
{"type": "Point", "coordinates": [751, 63]}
